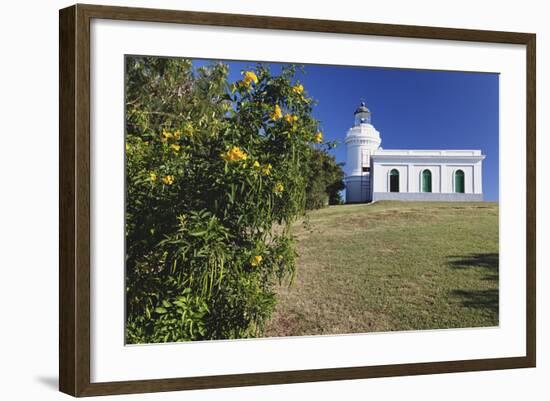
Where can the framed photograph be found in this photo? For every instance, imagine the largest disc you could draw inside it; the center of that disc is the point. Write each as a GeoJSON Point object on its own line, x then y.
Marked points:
{"type": "Point", "coordinates": [250, 200]}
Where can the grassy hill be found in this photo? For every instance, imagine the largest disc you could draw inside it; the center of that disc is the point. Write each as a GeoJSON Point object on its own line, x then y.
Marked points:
{"type": "Point", "coordinates": [392, 266]}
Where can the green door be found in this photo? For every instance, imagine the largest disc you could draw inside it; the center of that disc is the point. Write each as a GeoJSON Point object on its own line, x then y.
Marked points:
{"type": "Point", "coordinates": [426, 181]}
{"type": "Point", "coordinates": [459, 181]}
{"type": "Point", "coordinates": [394, 181]}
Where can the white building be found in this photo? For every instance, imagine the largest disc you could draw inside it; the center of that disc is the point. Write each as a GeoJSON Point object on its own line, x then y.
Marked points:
{"type": "Point", "coordinates": [375, 174]}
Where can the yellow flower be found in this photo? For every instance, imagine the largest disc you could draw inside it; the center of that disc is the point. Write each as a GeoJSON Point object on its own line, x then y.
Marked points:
{"type": "Point", "coordinates": [318, 137]}
{"type": "Point", "coordinates": [234, 154]}
{"type": "Point", "coordinates": [168, 179]}
{"type": "Point", "coordinates": [277, 113]}
{"type": "Point", "coordinates": [255, 260]}
{"type": "Point", "coordinates": [266, 170]}
{"type": "Point", "coordinates": [166, 135]}
{"type": "Point", "coordinates": [127, 146]}
{"type": "Point", "coordinates": [256, 164]}
{"type": "Point", "coordinates": [188, 129]}
{"type": "Point", "coordinates": [152, 176]}
{"type": "Point", "coordinates": [290, 118]}
{"type": "Point", "coordinates": [177, 134]}
{"type": "Point", "coordinates": [175, 147]}
{"type": "Point", "coordinates": [279, 188]}
{"type": "Point", "coordinates": [249, 77]}
{"type": "Point", "coordinates": [298, 89]}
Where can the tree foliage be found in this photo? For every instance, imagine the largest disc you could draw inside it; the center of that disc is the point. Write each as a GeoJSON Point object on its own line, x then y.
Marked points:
{"type": "Point", "coordinates": [216, 173]}
{"type": "Point", "coordinates": [325, 180]}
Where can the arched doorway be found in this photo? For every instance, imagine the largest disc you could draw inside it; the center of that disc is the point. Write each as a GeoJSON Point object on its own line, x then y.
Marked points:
{"type": "Point", "coordinates": [459, 181]}
{"type": "Point", "coordinates": [394, 180]}
{"type": "Point", "coordinates": [426, 181]}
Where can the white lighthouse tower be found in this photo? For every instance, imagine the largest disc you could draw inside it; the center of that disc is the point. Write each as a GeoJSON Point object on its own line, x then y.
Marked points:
{"type": "Point", "coordinates": [362, 141]}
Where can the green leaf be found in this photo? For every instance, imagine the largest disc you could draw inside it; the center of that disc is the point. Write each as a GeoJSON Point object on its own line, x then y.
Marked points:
{"type": "Point", "coordinates": [198, 233]}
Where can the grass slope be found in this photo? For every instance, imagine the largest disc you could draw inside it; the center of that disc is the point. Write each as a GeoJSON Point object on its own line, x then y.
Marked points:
{"type": "Point", "coordinates": [392, 266]}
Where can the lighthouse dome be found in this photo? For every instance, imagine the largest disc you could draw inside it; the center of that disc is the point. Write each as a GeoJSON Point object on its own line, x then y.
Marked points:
{"type": "Point", "coordinates": [362, 108]}
{"type": "Point", "coordinates": [362, 114]}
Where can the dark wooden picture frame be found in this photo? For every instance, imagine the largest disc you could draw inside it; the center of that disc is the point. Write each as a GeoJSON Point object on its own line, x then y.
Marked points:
{"type": "Point", "coordinates": [74, 203]}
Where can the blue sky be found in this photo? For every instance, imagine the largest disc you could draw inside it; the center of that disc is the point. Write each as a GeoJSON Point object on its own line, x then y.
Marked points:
{"type": "Point", "coordinates": [412, 109]}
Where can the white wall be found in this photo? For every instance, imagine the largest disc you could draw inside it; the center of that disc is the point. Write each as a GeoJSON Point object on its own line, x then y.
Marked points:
{"type": "Point", "coordinates": [442, 176]}
{"type": "Point", "coordinates": [416, 180]}
{"type": "Point", "coordinates": [381, 173]}
{"type": "Point", "coordinates": [448, 178]}
{"type": "Point", "coordinates": [354, 158]}
{"type": "Point", "coordinates": [361, 142]}
{"type": "Point", "coordinates": [28, 208]}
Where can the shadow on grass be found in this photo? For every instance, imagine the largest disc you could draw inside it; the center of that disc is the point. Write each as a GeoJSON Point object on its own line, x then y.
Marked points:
{"type": "Point", "coordinates": [479, 299]}
{"type": "Point", "coordinates": [487, 261]}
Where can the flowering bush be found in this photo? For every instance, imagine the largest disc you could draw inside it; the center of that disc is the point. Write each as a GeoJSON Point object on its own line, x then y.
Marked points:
{"type": "Point", "coordinates": [216, 175]}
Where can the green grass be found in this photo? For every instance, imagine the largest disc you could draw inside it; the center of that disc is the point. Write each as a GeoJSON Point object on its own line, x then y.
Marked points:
{"type": "Point", "coordinates": [392, 266]}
